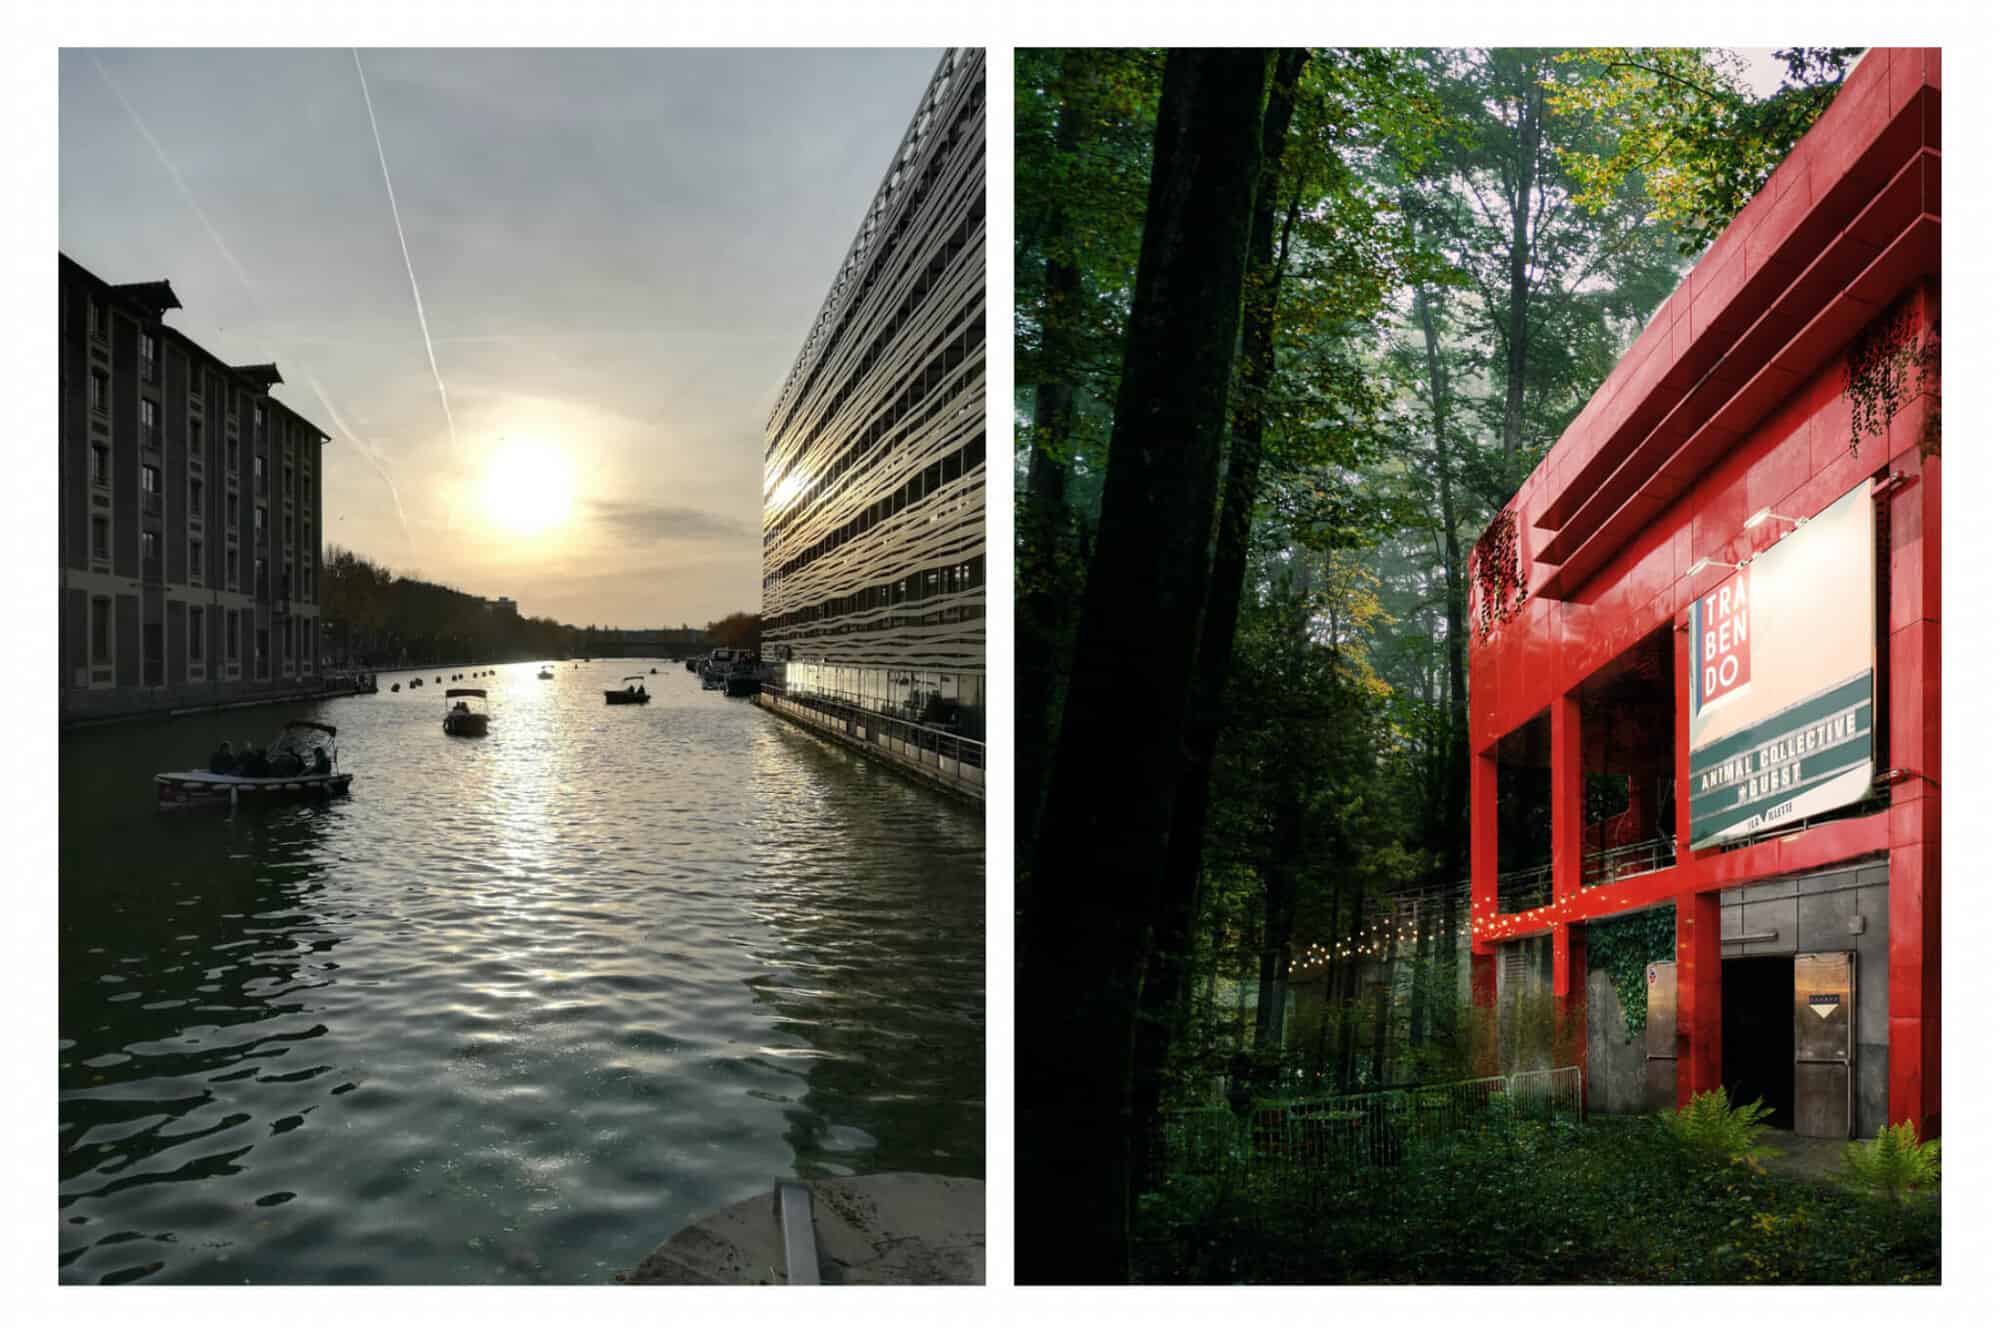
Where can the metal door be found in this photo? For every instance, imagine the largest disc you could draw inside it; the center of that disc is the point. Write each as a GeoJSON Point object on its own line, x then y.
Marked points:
{"type": "Point", "coordinates": [1660, 996]}
{"type": "Point", "coordinates": [1823, 1043]}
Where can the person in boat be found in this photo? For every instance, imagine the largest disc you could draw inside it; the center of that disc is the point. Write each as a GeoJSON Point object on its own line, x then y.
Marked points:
{"type": "Point", "coordinates": [254, 764]}
{"type": "Point", "coordinates": [322, 765]}
{"type": "Point", "coordinates": [460, 707]}
{"type": "Point", "coordinates": [222, 761]}
{"type": "Point", "coordinates": [286, 765]}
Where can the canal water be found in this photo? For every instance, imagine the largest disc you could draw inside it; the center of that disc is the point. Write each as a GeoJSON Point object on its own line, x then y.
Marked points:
{"type": "Point", "coordinates": [517, 1009]}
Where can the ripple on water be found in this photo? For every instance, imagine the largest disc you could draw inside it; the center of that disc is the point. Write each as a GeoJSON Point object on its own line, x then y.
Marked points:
{"type": "Point", "coordinates": [516, 1011]}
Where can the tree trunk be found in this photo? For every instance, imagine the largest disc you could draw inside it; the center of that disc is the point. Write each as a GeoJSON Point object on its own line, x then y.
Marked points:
{"type": "Point", "coordinates": [1521, 202]}
{"type": "Point", "coordinates": [1097, 882]}
{"type": "Point", "coordinates": [1454, 836]}
{"type": "Point", "coordinates": [1041, 627]}
{"type": "Point", "coordinates": [1165, 993]}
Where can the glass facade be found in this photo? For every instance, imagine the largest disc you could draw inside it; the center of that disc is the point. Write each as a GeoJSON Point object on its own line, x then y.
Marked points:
{"type": "Point", "coordinates": [875, 452]}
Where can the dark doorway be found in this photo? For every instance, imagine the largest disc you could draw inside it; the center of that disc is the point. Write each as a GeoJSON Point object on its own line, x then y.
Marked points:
{"type": "Point", "coordinates": [1757, 1052]}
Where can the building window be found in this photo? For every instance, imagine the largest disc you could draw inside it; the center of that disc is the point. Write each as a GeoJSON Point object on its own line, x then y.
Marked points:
{"type": "Point", "coordinates": [257, 416]}
{"type": "Point", "coordinates": [194, 560]}
{"type": "Point", "coordinates": [194, 441]}
{"type": "Point", "coordinates": [259, 529]}
{"type": "Point", "coordinates": [232, 626]}
{"type": "Point", "coordinates": [100, 465]}
{"type": "Point", "coordinates": [149, 549]}
{"type": "Point", "coordinates": [96, 320]}
{"type": "Point", "coordinates": [149, 423]}
{"type": "Point", "coordinates": [100, 391]}
{"type": "Point", "coordinates": [195, 627]}
{"type": "Point", "coordinates": [100, 627]}
{"type": "Point", "coordinates": [149, 487]}
{"type": "Point", "coordinates": [257, 471]}
{"type": "Point", "coordinates": [229, 462]}
{"type": "Point", "coordinates": [196, 513]}
{"type": "Point", "coordinates": [152, 641]}
{"type": "Point", "coordinates": [149, 358]}
{"type": "Point", "coordinates": [259, 587]}
{"type": "Point", "coordinates": [230, 555]}
{"type": "Point", "coordinates": [100, 537]}
{"type": "Point", "coordinates": [263, 654]}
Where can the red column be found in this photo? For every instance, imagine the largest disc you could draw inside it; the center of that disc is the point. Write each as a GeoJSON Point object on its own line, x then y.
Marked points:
{"type": "Point", "coordinates": [1566, 857]}
{"type": "Point", "coordinates": [1914, 722]}
{"type": "Point", "coordinates": [1698, 994]}
{"type": "Point", "coordinates": [1572, 988]}
{"type": "Point", "coordinates": [1566, 802]}
{"type": "Point", "coordinates": [1485, 811]}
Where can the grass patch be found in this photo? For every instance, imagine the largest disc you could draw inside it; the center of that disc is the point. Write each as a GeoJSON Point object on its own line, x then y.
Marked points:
{"type": "Point", "coordinates": [1616, 1200]}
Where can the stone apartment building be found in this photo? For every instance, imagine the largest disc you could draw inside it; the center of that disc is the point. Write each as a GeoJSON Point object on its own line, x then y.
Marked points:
{"type": "Point", "coordinates": [189, 514]}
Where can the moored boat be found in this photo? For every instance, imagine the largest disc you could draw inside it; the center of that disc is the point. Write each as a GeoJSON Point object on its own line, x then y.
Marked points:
{"type": "Point", "coordinates": [545, 674]}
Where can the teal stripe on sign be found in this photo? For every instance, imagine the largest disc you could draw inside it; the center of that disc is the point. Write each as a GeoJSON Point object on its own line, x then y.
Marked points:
{"type": "Point", "coordinates": [1706, 830]}
{"type": "Point", "coordinates": [1815, 767]}
{"type": "Point", "coordinates": [1838, 699]}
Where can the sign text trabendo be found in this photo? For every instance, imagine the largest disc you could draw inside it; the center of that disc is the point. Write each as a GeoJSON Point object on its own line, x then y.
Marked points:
{"type": "Point", "coordinates": [1801, 740]}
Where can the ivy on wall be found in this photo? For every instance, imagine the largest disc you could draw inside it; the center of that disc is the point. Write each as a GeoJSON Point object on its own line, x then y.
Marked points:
{"type": "Point", "coordinates": [1623, 947]}
{"type": "Point", "coordinates": [1497, 574]}
{"type": "Point", "coordinates": [1878, 370]}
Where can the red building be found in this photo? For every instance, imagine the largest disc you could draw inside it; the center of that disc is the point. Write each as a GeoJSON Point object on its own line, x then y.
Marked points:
{"type": "Point", "coordinates": [1739, 537]}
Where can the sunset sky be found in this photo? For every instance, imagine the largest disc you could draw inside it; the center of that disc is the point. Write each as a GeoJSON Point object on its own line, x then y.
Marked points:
{"type": "Point", "coordinates": [618, 254]}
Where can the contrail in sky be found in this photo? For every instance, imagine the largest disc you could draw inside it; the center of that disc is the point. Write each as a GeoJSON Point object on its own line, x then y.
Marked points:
{"type": "Point", "coordinates": [179, 184]}
{"type": "Point", "coordinates": [368, 451]}
{"type": "Point", "coordinates": [395, 213]}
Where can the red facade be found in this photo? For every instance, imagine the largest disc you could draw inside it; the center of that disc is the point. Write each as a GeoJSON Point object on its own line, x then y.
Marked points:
{"type": "Point", "coordinates": [1735, 399]}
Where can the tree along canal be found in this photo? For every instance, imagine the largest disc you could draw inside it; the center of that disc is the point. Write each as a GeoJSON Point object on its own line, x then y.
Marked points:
{"type": "Point", "coordinates": [517, 1009]}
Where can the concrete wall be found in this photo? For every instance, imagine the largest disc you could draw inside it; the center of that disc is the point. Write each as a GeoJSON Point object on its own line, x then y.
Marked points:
{"type": "Point", "coordinates": [1818, 913]}
{"type": "Point", "coordinates": [1616, 1071]}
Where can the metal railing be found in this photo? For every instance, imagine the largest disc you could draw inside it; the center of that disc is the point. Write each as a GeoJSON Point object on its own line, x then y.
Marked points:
{"type": "Point", "coordinates": [1634, 858]}
{"type": "Point", "coordinates": [931, 743]}
{"type": "Point", "coordinates": [1305, 1146]}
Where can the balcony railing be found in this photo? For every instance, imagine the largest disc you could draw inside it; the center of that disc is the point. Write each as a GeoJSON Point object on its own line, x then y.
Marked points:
{"type": "Point", "coordinates": [1636, 858]}
{"type": "Point", "coordinates": [931, 742]}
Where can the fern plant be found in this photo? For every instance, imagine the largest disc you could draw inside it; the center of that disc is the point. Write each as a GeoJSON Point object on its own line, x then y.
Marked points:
{"type": "Point", "coordinates": [1713, 1132]}
{"type": "Point", "coordinates": [1893, 1163]}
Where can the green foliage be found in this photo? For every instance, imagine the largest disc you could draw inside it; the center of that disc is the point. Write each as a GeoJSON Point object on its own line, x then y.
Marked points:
{"type": "Point", "coordinates": [1623, 947]}
{"type": "Point", "coordinates": [1893, 1165]}
{"type": "Point", "coordinates": [1609, 1201]}
{"type": "Point", "coordinates": [1878, 378]}
{"type": "Point", "coordinates": [1684, 121]}
{"type": "Point", "coordinates": [1713, 1133]}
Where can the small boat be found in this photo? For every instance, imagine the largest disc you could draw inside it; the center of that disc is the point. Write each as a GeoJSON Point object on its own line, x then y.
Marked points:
{"type": "Point", "coordinates": [395, 689]}
{"type": "Point", "coordinates": [742, 680]}
{"type": "Point", "coordinates": [291, 773]}
{"type": "Point", "coordinates": [545, 674]}
{"type": "Point", "coordinates": [460, 719]}
{"type": "Point", "coordinates": [630, 694]}
{"type": "Point", "coordinates": [418, 681]}
{"type": "Point", "coordinates": [654, 672]}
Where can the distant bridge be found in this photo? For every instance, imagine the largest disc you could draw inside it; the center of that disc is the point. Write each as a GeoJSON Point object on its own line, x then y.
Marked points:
{"type": "Point", "coordinates": [647, 643]}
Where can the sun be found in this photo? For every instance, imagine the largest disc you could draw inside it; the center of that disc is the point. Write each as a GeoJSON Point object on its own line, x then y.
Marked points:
{"type": "Point", "coordinates": [528, 487]}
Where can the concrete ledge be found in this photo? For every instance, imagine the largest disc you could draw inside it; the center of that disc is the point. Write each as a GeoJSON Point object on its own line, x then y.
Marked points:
{"type": "Point", "coordinates": [900, 1228]}
{"type": "Point", "coordinates": [952, 779]}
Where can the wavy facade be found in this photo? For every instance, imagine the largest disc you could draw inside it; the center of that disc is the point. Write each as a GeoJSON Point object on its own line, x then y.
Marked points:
{"type": "Point", "coordinates": [875, 452]}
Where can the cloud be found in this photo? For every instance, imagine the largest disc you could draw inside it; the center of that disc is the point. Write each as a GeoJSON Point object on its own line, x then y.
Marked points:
{"type": "Point", "coordinates": [645, 522]}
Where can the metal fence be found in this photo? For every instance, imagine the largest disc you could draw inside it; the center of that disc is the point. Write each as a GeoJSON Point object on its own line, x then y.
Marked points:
{"type": "Point", "coordinates": [925, 744]}
{"type": "Point", "coordinates": [1303, 1147]}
